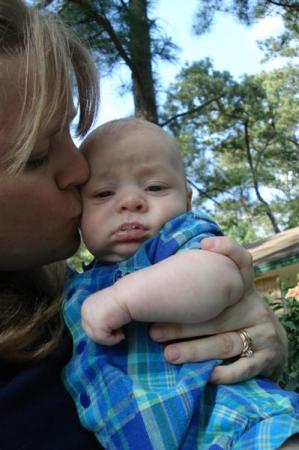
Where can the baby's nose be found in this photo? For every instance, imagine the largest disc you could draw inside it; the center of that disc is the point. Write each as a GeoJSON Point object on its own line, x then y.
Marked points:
{"type": "Point", "coordinates": [132, 201]}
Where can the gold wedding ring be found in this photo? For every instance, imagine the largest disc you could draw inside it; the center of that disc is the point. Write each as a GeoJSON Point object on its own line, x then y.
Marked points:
{"type": "Point", "coordinates": [246, 343]}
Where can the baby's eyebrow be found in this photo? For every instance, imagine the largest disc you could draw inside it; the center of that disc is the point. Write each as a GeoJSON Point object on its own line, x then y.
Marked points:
{"type": "Point", "coordinates": [149, 169]}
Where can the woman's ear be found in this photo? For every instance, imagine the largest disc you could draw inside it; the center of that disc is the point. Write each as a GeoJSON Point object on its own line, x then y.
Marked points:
{"type": "Point", "coordinates": [189, 199]}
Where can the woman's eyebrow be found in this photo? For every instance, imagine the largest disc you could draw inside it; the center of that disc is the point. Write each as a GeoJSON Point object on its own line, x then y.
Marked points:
{"type": "Point", "coordinates": [56, 127]}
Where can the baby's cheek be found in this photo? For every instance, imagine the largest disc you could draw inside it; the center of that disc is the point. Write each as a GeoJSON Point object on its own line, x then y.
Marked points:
{"type": "Point", "coordinates": [88, 232]}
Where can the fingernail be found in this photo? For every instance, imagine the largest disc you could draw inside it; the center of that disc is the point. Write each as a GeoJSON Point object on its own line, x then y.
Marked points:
{"type": "Point", "coordinates": [209, 243]}
{"type": "Point", "coordinates": [157, 334]}
{"type": "Point", "coordinates": [214, 379]}
{"type": "Point", "coordinates": [172, 354]}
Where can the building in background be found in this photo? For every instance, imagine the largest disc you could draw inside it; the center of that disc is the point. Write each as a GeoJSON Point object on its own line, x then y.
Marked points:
{"type": "Point", "coordinates": [276, 262]}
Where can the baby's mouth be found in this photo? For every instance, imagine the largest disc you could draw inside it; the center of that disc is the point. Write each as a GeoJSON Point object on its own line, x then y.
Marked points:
{"type": "Point", "coordinates": [130, 231]}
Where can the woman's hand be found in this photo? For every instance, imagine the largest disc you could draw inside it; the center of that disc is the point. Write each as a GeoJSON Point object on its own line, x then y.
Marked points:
{"type": "Point", "coordinates": [269, 341]}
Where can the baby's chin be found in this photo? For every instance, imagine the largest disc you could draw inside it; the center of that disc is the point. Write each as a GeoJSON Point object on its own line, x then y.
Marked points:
{"type": "Point", "coordinates": [121, 252]}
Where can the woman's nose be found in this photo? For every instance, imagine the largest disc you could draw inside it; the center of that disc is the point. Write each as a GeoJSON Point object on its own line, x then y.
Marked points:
{"type": "Point", "coordinates": [73, 169]}
{"type": "Point", "coordinates": [132, 201]}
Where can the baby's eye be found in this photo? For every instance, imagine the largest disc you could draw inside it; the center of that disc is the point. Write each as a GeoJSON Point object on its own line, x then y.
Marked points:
{"type": "Point", "coordinates": [104, 194]}
{"type": "Point", "coordinates": [155, 188]}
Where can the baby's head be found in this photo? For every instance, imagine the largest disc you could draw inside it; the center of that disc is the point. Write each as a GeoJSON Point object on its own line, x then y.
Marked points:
{"type": "Point", "coordinates": [137, 183]}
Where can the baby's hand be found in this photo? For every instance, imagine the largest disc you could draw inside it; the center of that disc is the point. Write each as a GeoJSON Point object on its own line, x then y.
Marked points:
{"type": "Point", "coordinates": [103, 316]}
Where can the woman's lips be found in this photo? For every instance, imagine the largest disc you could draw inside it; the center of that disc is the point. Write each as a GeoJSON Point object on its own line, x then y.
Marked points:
{"type": "Point", "coordinates": [130, 231]}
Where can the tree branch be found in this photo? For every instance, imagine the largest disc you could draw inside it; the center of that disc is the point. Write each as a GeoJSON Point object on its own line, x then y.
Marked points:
{"type": "Point", "coordinates": [44, 3]}
{"type": "Point", "coordinates": [125, 5]}
{"type": "Point", "coordinates": [202, 192]}
{"type": "Point", "coordinates": [294, 141]}
{"type": "Point", "coordinates": [190, 111]}
{"type": "Point", "coordinates": [106, 24]}
{"type": "Point", "coordinates": [255, 181]}
{"type": "Point", "coordinates": [284, 5]}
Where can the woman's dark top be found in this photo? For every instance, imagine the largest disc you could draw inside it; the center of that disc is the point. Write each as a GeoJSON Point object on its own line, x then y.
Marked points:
{"type": "Point", "coordinates": [36, 412]}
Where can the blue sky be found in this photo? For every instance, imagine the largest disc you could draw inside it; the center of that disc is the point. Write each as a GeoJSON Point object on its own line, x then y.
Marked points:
{"type": "Point", "coordinates": [231, 46]}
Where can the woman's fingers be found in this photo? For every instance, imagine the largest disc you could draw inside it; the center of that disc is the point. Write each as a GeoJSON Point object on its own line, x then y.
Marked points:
{"type": "Point", "coordinates": [226, 246]}
{"type": "Point", "coordinates": [246, 313]}
{"type": "Point", "coordinates": [225, 346]}
{"type": "Point", "coordinates": [241, 257]}
{"type": "Point", "coordinates": [221, 346]}
{"type": "Point", "coordinates": [220, 341]}
{"type": "Point", "coordinates": [240, 370]}
{"type": "Point", "coordinates": [269, 352]}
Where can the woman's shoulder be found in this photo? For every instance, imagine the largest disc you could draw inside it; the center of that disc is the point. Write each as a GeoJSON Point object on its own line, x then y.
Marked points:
{"type": "Point", "coordinates": [36, 411]}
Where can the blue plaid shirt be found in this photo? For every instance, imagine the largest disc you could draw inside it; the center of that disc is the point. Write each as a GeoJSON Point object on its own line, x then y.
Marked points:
{"type": "Point", "coordinates": [131, 398]}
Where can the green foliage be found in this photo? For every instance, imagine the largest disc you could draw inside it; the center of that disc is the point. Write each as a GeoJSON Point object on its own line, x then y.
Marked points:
{"type": "Point", "coordinates": [250, 11]}
{"type": "Point", "coordinates": [106, 26]}
{"type": "Point", "coordinates": [290, 321]}
{"type": "Point", "coordinates": [240, 142]}
{"type": "Point", "coordinates": [239, 138]}
{"type": "Point", "coordinates": [121, 32]}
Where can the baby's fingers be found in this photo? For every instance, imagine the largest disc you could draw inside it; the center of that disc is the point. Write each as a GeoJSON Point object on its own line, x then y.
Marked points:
{"type": "Point", "coordinates": [101, 335]}
{"type": "Point", "coordinates": [112, 338]}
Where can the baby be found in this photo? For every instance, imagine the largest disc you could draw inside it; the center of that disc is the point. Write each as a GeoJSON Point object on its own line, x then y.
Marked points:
{"type": "Point", "coordinates": [137, 185]}
{"type": "Point", "coordinates": [137, 215]}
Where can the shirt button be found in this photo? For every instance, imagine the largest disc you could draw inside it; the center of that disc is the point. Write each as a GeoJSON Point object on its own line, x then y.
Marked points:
{"type": "Point", "coordinates": [84, 400]}
{"type": "Point", "coordinates": [81, 346]}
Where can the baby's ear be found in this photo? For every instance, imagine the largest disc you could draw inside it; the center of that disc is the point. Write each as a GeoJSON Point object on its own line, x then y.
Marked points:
{"type": "Point", "coordinates": [189, 199]}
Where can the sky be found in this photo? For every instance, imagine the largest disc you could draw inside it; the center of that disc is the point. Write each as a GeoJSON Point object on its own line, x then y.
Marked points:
{"type": "Point", "coordinates": [229, 44]}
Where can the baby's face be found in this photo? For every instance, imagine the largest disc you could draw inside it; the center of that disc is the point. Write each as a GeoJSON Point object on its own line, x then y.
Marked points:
{"type": "Point", "coordinates": [136, 185]}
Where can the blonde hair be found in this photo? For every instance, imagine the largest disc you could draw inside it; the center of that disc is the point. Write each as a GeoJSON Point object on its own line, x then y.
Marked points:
{"type": "Point", "coordinates": [54, 64]}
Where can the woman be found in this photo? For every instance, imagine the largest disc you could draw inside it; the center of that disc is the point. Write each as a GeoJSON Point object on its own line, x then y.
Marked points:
{"type": "Point", "coordinates": [41, 66]}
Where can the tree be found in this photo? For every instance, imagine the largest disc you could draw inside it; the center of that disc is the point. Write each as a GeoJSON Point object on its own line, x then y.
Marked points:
{"type": "Point", "coordinates": [120, 31]}
{"type": "Point", "coordinates": [241, 146]}
{"type": "Point", "coordinates": [236, 136]}
{"type": "Point", "coordinates": [249, 11]}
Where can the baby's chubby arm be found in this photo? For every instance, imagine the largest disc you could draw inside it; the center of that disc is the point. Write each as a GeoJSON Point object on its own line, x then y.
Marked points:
{"type": "Point", "coordinates": [189, 287]}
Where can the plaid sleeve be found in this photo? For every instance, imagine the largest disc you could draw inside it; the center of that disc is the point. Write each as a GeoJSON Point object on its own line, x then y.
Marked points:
{"type": "Point", "coordinates": [184, 232]}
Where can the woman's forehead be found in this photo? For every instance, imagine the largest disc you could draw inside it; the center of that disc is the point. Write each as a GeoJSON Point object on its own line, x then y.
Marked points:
{"type": "Point", "coordinates": [15, 85]}
{"type": "Point", "coordinates": [11, 99]}
{"type": "Point", "coordinates": [11, 69]}
{"type": "Point", "coordinates": [13, 116]}
{"type": "Point", "coordinates": [12, 85]}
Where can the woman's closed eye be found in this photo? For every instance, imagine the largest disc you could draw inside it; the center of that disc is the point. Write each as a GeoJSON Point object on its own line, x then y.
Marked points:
{"type": "Point", "coordinates": [37, 161]}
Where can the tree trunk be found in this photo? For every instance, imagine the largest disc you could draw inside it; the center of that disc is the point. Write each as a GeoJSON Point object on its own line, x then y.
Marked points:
{"type": "Point", "coordinates": [140, 49]}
